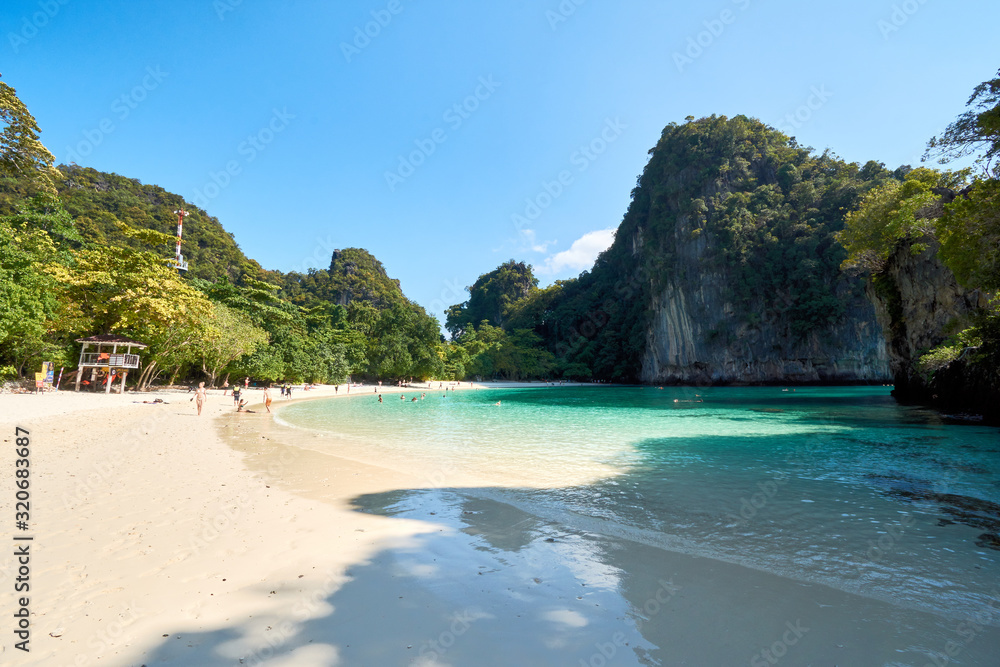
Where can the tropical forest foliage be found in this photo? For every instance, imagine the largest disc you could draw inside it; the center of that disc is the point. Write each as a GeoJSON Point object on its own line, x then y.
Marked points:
{"type": "Point", "coordinates": [957, 212]}
{"type": "Point", "coordinates": [84, 252]}
{"type": "Point", "coordinates": [787, 231]}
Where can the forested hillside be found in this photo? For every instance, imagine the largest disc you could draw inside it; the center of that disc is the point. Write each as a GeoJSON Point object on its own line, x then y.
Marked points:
{"type": "Point", "coordinates": [84, 252]}
{"type": "Point", "coordinates": [97, 202]}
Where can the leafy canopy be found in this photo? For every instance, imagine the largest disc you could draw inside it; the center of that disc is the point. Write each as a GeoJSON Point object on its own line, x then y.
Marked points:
{"type": "Point", "coordinates": [492, 297]}
{"type": "Point", "coordinates": [974, 132]}
{"type": "Point", "coordinates": [21, 151]}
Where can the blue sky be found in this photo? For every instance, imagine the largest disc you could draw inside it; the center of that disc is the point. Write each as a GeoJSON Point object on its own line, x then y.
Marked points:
{"type": "Point", "coordinates": [448, 137]}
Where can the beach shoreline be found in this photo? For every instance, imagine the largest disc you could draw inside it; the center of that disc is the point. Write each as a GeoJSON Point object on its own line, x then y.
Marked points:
{"type": "Point", "coordinates": [162, 537]}
{"type": "Point", "coordinates": [147, 522]}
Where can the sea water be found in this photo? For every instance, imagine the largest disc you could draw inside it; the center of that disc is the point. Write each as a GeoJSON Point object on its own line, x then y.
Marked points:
{"type": "Point", "coordinates": [841, 487]}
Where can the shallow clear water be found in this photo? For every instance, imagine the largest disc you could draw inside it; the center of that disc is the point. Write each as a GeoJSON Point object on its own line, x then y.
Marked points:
{"type": "Point", "coordinates": [838, 486]}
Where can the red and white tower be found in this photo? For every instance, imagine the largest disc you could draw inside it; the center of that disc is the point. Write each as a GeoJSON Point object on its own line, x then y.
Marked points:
{"type": "Point", "coordinates": [179, 259]}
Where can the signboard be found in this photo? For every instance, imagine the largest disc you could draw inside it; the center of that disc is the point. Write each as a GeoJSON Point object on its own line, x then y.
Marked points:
{"type": "Point", "coordinates": [48, 368]}
{"type": "Point", "coordinates": [39, 380]}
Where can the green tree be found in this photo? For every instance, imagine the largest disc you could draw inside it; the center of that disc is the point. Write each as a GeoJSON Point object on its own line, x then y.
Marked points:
{"type": "Point", "coordinates": [107, 289]}
{"type": "Point", "coordinates": [491, 352]}
{"type": "Point", "coordinates": [492, 297]}
{"type": "Point", "coordinates": [403, 343]}
{"type": "Point", "coordinates": [28, 303]}
{"type": "Point", "coordinates": [889, 214]}
{"type": "Point", "coordinates": [969, 229]}
{"type": "Point", "coordinates": [974, 132]}
{"type": "Point", "coordinates": [969, 233]}
{"type": "Point", "coordinates": [226, 336]}
{"type": "Point", "coordinates": [21, 151]}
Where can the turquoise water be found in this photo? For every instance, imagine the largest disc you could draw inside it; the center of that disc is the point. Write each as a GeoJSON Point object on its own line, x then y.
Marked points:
{"type": "Point", "coordinates": [835, 486]}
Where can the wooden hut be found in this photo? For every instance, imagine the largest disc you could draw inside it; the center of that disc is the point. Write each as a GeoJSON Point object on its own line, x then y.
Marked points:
{"type": "Point", "coordinates": [108, 353]}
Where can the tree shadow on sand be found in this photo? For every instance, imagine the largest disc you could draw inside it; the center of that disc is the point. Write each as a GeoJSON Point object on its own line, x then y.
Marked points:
{"type": "Point", "coordinates": [518, 577]}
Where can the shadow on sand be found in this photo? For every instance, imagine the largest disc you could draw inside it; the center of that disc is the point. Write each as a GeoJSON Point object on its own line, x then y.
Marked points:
{"type": "Point", "coordinates": [494, 585]}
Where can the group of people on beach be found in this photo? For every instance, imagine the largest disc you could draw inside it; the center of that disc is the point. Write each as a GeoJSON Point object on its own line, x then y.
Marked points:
{"type": "Point", "coordinates": [241, 403]}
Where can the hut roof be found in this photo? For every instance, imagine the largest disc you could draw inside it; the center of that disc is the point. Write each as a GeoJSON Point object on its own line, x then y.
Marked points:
{"type": "Point", "coordinates": [111, 339]}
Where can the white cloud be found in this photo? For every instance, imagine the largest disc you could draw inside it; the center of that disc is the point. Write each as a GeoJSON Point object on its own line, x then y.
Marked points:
{"type": "Point", "coordinates": [581, 255]}
{"type": "Point", "coordinates": [530, 242]}
{"type": "Point", "coordinates": [526, 241]}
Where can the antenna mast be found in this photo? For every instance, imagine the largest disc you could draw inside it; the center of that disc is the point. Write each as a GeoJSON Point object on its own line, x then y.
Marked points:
{"type": "Point", "coordinates": [182, 265]}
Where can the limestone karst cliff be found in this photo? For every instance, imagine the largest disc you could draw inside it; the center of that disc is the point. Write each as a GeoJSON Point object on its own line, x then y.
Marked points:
{"type": "Point", "coordinates": [695, 337]}
{"type": "Point", "coordinates": [725, 268]}
{"type": "Point", "coordinates": [697, 334]}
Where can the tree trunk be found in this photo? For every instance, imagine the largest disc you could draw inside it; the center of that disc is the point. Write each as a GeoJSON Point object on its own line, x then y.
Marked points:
{"type": "Point", "coordinates": [154, 376]}
{"type": "Point", "coordinates": [145, 377]}
{"type": "Point", "coordinates": [177, 371]}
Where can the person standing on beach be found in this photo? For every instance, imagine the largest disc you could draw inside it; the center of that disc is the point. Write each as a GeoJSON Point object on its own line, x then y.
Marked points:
{"type": "Point", "coordinates": [236, 395]}
{"type": "Point", "coordinates": [225, 387]}
{"type": "Point", "coordinates": [288, 391]}
{"type": "Point", "coordinates": [267, 397]}
{"type": "Point", "coordinates": [199, 395]}
{"type": "Point", "coordinates": [336, 389]}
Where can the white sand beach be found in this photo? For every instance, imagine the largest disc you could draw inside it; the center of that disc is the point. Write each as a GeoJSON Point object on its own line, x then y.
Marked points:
{"type": "Point", "coordinates": [146, 524]}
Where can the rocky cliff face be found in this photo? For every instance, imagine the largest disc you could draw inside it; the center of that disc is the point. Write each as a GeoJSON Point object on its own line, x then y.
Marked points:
{"type": "Point", "coordinates": [697, 336]}
{"type": "Point", "coordinates": [919, 304]}
{"type": "Point", "coordinates": [694, 339]}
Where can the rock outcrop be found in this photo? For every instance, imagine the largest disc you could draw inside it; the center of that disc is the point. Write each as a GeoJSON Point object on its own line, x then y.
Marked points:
{"type": "Point", "coordinates": [919, 304]}
{"type": "Point", "coordinates": [700, 331]}
{"type": "Point", "coordinates": [726, 268]}
{"type": "Point", "coordinates": [697, 336]}
{"type": "Point", "coordinates": [694, 338]}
